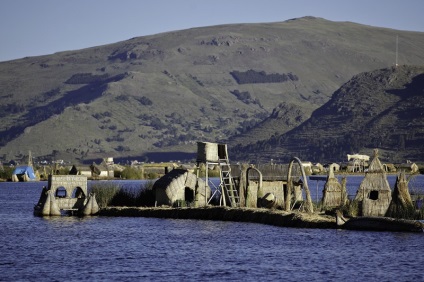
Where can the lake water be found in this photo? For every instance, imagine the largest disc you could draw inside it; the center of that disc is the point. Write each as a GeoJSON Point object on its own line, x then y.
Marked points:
{"type": "Point", "coordinates": [135, 249]}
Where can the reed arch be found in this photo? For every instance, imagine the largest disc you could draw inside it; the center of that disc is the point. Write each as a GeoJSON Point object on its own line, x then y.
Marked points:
{"type": "Point", "coordinates": [308, 204]}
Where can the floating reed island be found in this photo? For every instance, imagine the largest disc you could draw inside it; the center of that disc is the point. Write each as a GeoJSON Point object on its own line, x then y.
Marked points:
{"type": "Point", "coordinates": [263, 195]}
{"type": "Point", "coordinates": [263, 216]}
{"type": "Point", "coordinates": [276, 195]}
{"type": "Point", "coordinates": [270, 217]}
{"type": "Point", "coordinates": [245, 195]}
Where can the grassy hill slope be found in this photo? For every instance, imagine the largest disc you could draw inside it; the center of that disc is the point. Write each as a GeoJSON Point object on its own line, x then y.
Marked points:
{"type": "Point", "coordinates": [379, 109]}
{"type": "Point", "coordinates": [164, 92]}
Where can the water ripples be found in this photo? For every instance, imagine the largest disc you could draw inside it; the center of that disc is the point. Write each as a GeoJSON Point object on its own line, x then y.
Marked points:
{"type": "Point", "coordinates": [128, 249]}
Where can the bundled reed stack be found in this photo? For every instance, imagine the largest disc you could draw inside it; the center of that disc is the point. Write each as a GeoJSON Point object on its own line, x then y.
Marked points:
{"type": "Point", "coordinates": [334, 194]}
{"type": "Point", "coordinates": [374, 194]}
{"type": "Point", "coordinates": [401, 205]}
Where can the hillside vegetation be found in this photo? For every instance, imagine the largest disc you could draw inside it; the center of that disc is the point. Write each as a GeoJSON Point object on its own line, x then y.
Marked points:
{"type": "Point", "coordinates": [380, 109]}
{"type": "Point", "coordinates": [153, 97]}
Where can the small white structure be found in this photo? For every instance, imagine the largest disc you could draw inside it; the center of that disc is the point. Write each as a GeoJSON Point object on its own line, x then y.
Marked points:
{"type": "Point", "coordinates": [335, 167]}
{"type": "Point", "coordinates": [307, 166]}
{"type": "Point", "coordinates": [359, 162]}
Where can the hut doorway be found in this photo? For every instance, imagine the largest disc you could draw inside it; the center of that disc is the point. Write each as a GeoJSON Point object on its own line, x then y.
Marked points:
{"type": "Point", "coordinates": [188, 194]}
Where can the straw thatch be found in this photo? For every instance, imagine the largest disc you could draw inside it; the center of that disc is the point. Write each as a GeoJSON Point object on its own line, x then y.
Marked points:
{"type": "Point", "coordinates": [401, 201]}
{"type": "Point", "coordinates": [181, 185]}
{"type": "Point", "coordinates": [374, 194]}
{"type": "Point", "coordinates": [333, 194]}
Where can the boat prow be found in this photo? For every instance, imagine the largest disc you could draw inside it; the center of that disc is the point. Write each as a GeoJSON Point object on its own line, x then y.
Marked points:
{"type": "Point", "coordinates": [379, 224]}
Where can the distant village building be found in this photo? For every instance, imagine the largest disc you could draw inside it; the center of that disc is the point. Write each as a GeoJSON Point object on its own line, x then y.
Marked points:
{"type": "Point", "coordinates": [317, 168]}
{"type": "Point", "coordinates": [389, 168]}
{"type": "Point", "coordinates": [357, 162]}
{"type": "Point", "coordinates": [409, 167]}
{"type": "Point", "coordinates": [307, 166]}
{"type": "Point", "coordinates": [101, 171]}
{"type": "Point", "coordinates": [334, 166]}
{"type": "Point", "coordinates": [85, 171]}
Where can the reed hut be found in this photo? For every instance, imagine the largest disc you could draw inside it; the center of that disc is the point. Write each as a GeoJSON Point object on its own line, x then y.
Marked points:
{"type": "Point", "coordinates": [334, 193]}
{"type": "Point", "coordinates": [179, 186]}
{"type": "Point", "coordinates": [374, 194]}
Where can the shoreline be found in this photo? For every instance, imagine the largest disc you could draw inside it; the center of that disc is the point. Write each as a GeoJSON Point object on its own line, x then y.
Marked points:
{"type": "Point", "coordinates": [262, 216]}
{"type": "Point", "coordinates": [269, 217]}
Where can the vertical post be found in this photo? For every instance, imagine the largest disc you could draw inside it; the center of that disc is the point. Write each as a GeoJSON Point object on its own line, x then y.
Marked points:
{"type": "Point", "coordinates": [206, 182]}
{"type": "Point", "coordinates": [317, 192]}
{"type": "Point", "coordinates": [397, 41]}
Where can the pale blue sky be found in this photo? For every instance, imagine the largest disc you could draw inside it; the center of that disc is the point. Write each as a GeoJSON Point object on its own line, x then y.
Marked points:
{"type": "Point", "coordinates": [40, 27]}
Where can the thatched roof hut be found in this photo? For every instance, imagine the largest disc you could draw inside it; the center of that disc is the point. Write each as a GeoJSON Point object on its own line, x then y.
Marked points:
{"type": "Point", "coordinates": [181, 185]}
{"type": "Point", "coordinates": [374, 194]}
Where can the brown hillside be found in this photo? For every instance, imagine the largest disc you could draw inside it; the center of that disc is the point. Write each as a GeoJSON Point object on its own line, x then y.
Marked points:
{"type": "Point", "coordinates": [380, 109]}
{"type": "Point", "coordinates": [162, 93]}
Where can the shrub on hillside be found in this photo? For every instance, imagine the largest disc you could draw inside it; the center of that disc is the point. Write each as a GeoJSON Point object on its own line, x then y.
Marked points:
{"type": "Point", "coordinates": [85, 78]}
{"type": "Point", "coordinates": [252, 76]}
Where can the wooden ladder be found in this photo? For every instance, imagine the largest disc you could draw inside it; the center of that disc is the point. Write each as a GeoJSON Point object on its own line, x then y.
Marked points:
{"type": "Point", "coordinates": [227, 183]}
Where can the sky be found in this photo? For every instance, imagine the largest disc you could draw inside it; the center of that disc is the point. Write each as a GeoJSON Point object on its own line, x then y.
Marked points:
{"type": "Point", "coordinates": [42, 27]}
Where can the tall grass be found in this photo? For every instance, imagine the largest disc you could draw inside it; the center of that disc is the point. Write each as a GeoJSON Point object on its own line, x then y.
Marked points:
{"type": "Point", "coordinates": [146, 195]}
{"type": "Point", "coordinates": [113, 194]}
{"type": "Point", "coordinates": [105, 192]}
{"type": "Point", "coordinates": [408, 212]}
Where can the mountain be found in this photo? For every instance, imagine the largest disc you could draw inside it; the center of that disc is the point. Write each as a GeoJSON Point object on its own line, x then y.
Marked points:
{"type": "Point", "coordinates": [154, 97]}
{"type": "Point", "coordinates": [381, 109]}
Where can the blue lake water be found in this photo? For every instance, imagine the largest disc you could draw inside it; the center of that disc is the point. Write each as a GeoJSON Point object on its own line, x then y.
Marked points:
{"type": "Point", "coordinates": [133, 249]}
